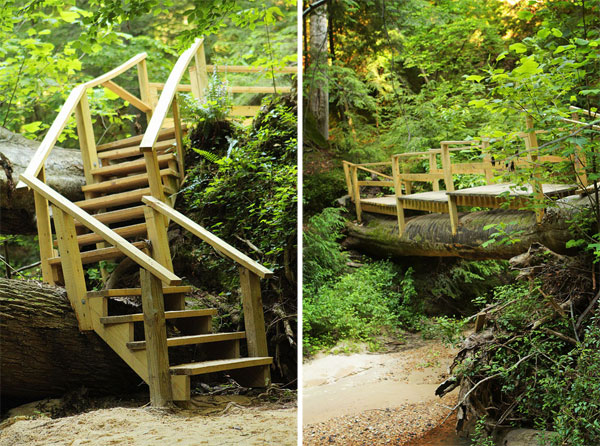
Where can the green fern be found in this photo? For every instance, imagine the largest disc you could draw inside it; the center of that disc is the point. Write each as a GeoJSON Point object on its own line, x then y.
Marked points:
{"type": "Point", "coordinates": [209, 156]}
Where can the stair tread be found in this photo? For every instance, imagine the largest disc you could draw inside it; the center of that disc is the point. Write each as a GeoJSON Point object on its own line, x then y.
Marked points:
{"type": "Point", "coordinates": [125, 182]}
{"type": "Point", "coordinates": [138, 317]}
{"type": "Point", "coordinates": [192, 339]}
{"type": "Point", "coordinates": [131, 196]}
{"type": "Point", "coordinates": [136, 140]}
{"type": "Point", "coordinates": [218, 365]}
{"type": "Point", "coordinates": [127, 152]}
{"type": "Point", "coordinates": [117, 216]}
{"type": "Point", "coordinates": [100, 254]}
{"type": "Point", "coordinates": [121, 292]}
{"type": "Point", "coordinates": [131, 166]}
{"type": "Point", "coordinates": [123, 231]}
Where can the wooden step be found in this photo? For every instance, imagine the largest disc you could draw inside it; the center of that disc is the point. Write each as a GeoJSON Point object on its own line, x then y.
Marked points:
{"type": "Point", "coordinates": [97, 255]}
{"type": "Point", "coordinates": [122, 292]}
{"type": "Point", "coordinates": [128, 152]}
{"type": "Point", "coordinates": [139, 317]}
{"type": "Point", "coordinates": [109, 201]}
{"type": "Point", "coordinates": [219, 365]}
{"type": "Point", "coordinates": [136, 140]}
{"type": "Point", "coordinates": [117, 216]}
{"type": "Point", "coordinates": [125, 183]}
{"type": "Point", "coordinates": [190, 340]}
{"type": "Point", "coordinates": [124, 231]}
{"type": "Point", "coordinates": [131, 166]}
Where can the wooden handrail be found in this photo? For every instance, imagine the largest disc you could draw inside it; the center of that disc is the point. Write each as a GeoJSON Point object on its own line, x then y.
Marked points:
{"type": "Point", "coordinates": [47, 144]}
{"type": "Point", "coordinates": [166, 98]}
{"type": "Point", "coordinates": [249, 69]}
{"type": "Point", "coordinates": [358, 166]}
{"type": "Point", "coordinates": [216, 242]}
{"type": "Point", "coordinates": [232, 89]}
{"type": "Point", "coordinates": [102, 230]}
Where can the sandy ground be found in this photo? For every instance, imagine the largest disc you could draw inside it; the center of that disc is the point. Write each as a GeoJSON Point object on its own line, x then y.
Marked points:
{"type": "Point", "coordinates": [379, 399]}
{"type": "Point", "coordinates": [222, 420]}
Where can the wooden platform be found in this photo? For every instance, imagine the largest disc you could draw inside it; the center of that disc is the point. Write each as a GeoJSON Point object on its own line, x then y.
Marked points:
{"type": "Point", "coordinates": [379, 205]}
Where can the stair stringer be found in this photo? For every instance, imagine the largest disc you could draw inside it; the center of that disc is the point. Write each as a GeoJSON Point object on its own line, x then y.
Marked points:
{"type": "Point", "coordinates": [118, 335]}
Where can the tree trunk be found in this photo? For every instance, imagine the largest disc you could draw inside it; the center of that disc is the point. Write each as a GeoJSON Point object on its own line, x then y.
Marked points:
{"type": "Point", "coordinates": [318, 99]}
{"type": "Point", "coordinates": [430, 235]}
{"type": "Point", "coordinates": [64, 173]}
{"type": "Point", "coordinates": [43, 352]}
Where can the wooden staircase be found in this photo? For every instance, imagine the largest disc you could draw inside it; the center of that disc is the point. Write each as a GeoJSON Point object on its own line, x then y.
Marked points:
{"type": "Point", "coordinates": [127, 207]}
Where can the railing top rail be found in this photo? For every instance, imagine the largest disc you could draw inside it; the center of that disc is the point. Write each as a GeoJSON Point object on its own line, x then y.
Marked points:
{"type": "Point", "coordinates": [585, 111]}
{"type": "Point", "coordinates": [166, 98]}
{"type": "Point", "coordinates": [43, 151]}
{"type": "Point", "coordinates": [380, 163]}
{"type": "Point", "coordinates": [250, 69]}
{"type": "Point", "coordinates": [412, 154]}
{"type": "Point", "coordinates": [216, 242]}
{"type": "Point", "coordinates": [101, 229]}
{"type": "Point", "coordinates": [358, 166]}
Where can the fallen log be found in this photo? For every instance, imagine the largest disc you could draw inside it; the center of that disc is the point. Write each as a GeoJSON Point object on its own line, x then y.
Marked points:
{"type": "Point", "coordinates": [43, 352]}
{"type": "Point", "coordinates": [430, 235]}
{"type": "Point", "coordinates": [64, 173]}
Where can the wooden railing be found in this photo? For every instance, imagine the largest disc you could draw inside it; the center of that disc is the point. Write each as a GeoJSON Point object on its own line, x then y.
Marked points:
{"type": "Point", "coordinates": [354, 184]}
{"type": "Point", "coordinates": [250, 274]}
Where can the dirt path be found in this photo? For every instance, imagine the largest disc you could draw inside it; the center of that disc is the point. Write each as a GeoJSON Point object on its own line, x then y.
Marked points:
{"type": "Point", "coordinates": [378, 399]}
{"type": "Point", "coordinates": [216, 421]}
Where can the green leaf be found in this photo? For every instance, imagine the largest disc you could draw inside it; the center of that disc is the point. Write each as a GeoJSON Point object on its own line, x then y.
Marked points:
{"type": "Point", "coordinates": [518, 48]}
{"type": "Point", "coordinates": [69, 16]}
{"type": "Point", "coordinates": [528, 66]}
{"type": "Point", "coordinates": [557, 32]}
{"type": "Point", "coordinates": [110, 95]}
{"type": "Point", "coordinates": [543, 33]}
{"type": "Point", "coordinates": [525, 14]}
{"type": "Point", "coordinates": [582, 42]}
{"type": "Point", "coordinates": [501, 56]}
{"type": "Point", "coordinates": [475, 77]}
{"type": "Point", "coordinates": [32, 127]}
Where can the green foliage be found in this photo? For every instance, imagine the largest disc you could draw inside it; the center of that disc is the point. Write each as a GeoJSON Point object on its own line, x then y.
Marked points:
{"type": "Point", "coordinates": [322, 256]}
{"type": "Point", "coordinates": [357, 306]}
{"type": "Point", "coordinates": [480, 435]}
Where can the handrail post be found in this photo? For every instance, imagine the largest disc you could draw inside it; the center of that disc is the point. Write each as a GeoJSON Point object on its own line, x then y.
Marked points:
{"type": "Point", "coordinates": [531, 143]}
{"type": "Point", "coordinates": [87, 142]}
{"type": "Point", "coordinates": [178, 138]}
{"type": "Point", "coordinates": [254, 320]}
{"type": "Point", "coordinates": [346, 166]}
{"type": "Point", "coordinates": [433, 168]}
{"type": "Point", "coordinates": [398, 194]}
{"type": "Point", "coordinates": [487, 161]}
{"type": "Point", "coordinates": [447, 166]}
{"type": "Point", "coordinates": [70, 258]}
{"type": "Point", "coordinates": [155, 330]}
{"type": "Point", "coordinates": [44, 229]}
{"type": "Point", "coordinates": [356, 193]}
{"type": "Point", "coordinates": [201, 72]}
{"type": "Point", "coordinates": [142, 71]}
{"type": "Point", "coordinates": [157, 233]}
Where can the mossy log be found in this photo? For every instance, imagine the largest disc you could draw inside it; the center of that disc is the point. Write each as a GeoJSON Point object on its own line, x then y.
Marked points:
{"type": "Point", "coordinates": [43, 352]}
{"type": "Point", "coordinates": [430, 235]}
{"type": "Point", "coordinates": [64, 173]}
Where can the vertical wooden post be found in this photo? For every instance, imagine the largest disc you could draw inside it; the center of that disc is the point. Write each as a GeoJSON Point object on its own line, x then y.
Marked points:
{"type": "Point", "coordinates": [407, 184]}
{"type": "Point", "coordinates": [42, 213]}
{"type": "Point", "coordinates": [178, 137]}
{"type": "Point", "coordinates": [346, 166]}
{"type": "Point", "coordinates": [435, 183]}
{"type": "Point", "coordinates": [157, 233]}
{"type": "Point", "coordinates": [200, 66]}
{"type": "Point", "coordinates": [453, 211]}
{"type": "Point", "coordinates": [87, 141]}
{"type": "Point", "coordinates": [70, 259]}
{"type": "Point", "coordinates": [536, 182]}
{"type": "Point", "coordinates": [447, 166]}
{"type": "Point", "coordinates": [142, 71]}
{"type": "Point", "coordinates": [398, 194]}
{"type": "Point", "coordinates": [155, 330]}
{"type": "Point", "coordinates": [487, 161]}
{"type": "Point", "coordinates": [196, 92]}
{"type": "Point", "coordinates": [356, 193]}
{"type": "Point", "coordinates": [254, 320]}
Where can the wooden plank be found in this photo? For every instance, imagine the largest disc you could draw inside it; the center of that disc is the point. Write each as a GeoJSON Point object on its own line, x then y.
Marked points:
{"type": "Point", "coordinates": [164, 102]}
{"type": "Point", "coordinates": [192, 339]}
{"type": "Point", "coordinates": [131, 196]}
{"type": "Point", "coordinates": [376, 183]}
{"type": "Point", "coordinates": [453, 211]}
{"type": "Point", "coordinates": [244, 110]}
{"type": "Point", "coordinates": [200, 66]}
{"type": "Point", "coordinates": [380, 163]}
{"type": "Point", "coordinates": [214, 241]}
{"type": "Point", "coordinates": [358, 166]}
{"type": "Point", "coordinates": [108, 234]}
{"type": "Point", "coordinates": [447, 167]}
{"type": "Point", "coordinates": [142, 71]}
{"type": "Point", "coordinates": [155, 331]}
{"type": "Point", "coordinates": [100, 254]}
{"type": "Point", "coordinates": [356, 192]}
{"type": "Point", "coordinates": [157, 233]}
{"type": "Point", "coordinates": [72, 267]}
{"type": "Point", "coordinates": [254, 319]}
{"type": "Point", "coordinates": [44, 229]}
{"type": "Point", "coordinates": [249, 69]}
{"type": "Point", "coordinates": [130, 182]}
{"type": "Point", "coordinates": [127, 96]}
{"type": "Point", "coordinates": [167, 133]}
{"type": "Point", "coordinates": [123, 292]}
{"type": "Point", "coordinates": [39, 158]}
{"type": "Point", "coordinates": [257, 89]}
{"type": "Point", "coordinates": [117, 216]}
{"type": "Point", "coordinates": [512, 190]}
{"type": "Point", "coordinates": [127, 152]}
{"type": "Point", "coordinates": [87, 141]}
{"type": "Point", "coordinates": [219, 365]}
{"type": "Point", "coordinates": [178, 137]}
{"type": "Point", "coordinates": [421, 177]}
{"type": "Point", "coordinates": [124, 231]}
{"type": "Point", "coordinates": [139, 317]}
{"type": "Point", "coordinates": [346, 167]}
{"type": "Point", "coordinates": [131, 166]}
{"type": "Point", "coordinates": [117, 71]}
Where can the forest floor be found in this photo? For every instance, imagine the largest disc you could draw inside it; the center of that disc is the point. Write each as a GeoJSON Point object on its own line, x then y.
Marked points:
{"type": "Point", "coordinates": [384, 398]}
{"type": "Point", "coordinates": [214, 420]}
